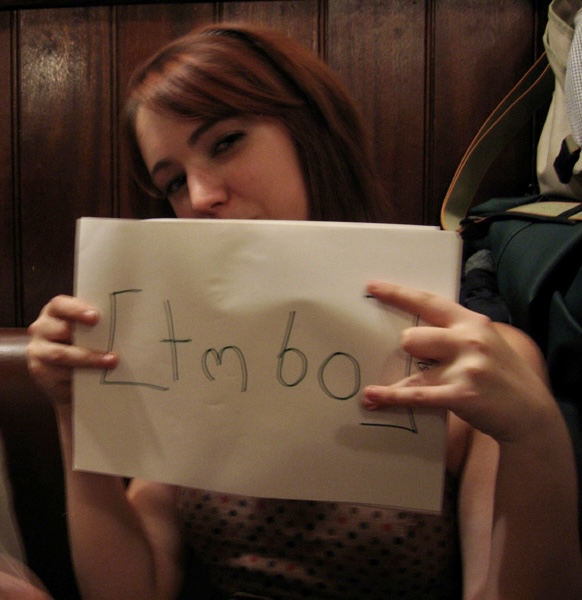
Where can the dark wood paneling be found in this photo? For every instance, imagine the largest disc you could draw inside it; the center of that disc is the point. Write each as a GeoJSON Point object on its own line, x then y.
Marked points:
{"type": "Point", "coordinates": [8, 295]}
{"type": "Point", "coordinates": [377, 47]}
{"type": "Point", "coordinates": [297, 18]}
{"type": "Point", "coordinates": [480, 50]}
{"type": "Point", "coordinates": [22, 4]}
{"type": "Point", "coordinates": [65, 140]}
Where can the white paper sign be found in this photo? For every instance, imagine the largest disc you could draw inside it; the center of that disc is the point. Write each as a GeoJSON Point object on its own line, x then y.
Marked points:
{"type": "Point", "coordinates": [245, 347]}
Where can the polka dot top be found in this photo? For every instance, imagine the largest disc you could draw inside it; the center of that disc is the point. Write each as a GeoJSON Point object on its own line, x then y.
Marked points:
{"type": "Point", "coordinates": [290, 549]}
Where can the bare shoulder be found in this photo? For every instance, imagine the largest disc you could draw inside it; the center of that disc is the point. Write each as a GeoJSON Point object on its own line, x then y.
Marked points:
{"type": "Point", "coordinates": [151, 495]}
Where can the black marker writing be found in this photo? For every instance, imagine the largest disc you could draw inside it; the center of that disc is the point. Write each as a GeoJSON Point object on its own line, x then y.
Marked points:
{"type": "Point", "coordinates": [172, 340]}
{"type": "Point", "coordinates": [411, 420]}
{"type": "Point", "coordinates": [110, 346]}
{"type": "Point", "coordinates": [284, 350]}
{"type": "Point", "coordinates": [338, 375]}
{"type": "Point", "coordinates": [357, 378]}
{"type": "Point", "coordinates": [218, 359]}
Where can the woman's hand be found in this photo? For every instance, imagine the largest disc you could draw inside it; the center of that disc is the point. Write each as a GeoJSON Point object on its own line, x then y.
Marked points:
{"type": "Point", "coordinates": [50, 353]}
{"type": "Point", "coordinates": [479, 370]}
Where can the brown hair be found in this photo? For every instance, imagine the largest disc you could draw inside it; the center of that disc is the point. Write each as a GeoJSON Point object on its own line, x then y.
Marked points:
{"type": "Point", "coordinates": [220, 71]}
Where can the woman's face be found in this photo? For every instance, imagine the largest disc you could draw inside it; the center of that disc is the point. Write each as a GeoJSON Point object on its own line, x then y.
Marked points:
{"type": "Point", "coordinates": [238, 168]}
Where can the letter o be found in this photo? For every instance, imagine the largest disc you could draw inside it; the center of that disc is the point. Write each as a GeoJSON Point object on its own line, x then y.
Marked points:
{"type": "Point", "coordinates": [357, 376]}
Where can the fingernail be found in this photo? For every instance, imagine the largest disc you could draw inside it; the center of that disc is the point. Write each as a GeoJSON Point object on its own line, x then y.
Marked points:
{"type": "Point", "coordinates": [371, 404]}
{"type": "Point", "coordinates": [372, 393]}
{"type": "Point", "coordinates": [110, 358]}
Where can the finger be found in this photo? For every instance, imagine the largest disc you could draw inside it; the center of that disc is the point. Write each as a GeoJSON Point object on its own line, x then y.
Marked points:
{"type": "Point", "coordinates": [53, 354]}
{"type": "Point", "coordinates": [71, 308]}
{"type": "Point", "coordinates": [50, 328]}
{"type": "Point", "coordinates": [406, 395]}
{"type": "Point", "coordinates": [432, 308]}
{"type": "Point", "coordinates": [430, 343]}
{"type": "Point", "coordinates": [56, 319]}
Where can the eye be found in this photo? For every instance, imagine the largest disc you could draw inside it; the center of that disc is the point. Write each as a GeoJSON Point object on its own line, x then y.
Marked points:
{"type": "Point", "coordinates": [174, 185]}
{"type": "Point", "coordinates": [225, 142]}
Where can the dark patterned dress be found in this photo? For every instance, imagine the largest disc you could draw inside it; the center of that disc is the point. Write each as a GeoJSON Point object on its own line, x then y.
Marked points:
{"type": "Point", "coordinates": [290, 549]}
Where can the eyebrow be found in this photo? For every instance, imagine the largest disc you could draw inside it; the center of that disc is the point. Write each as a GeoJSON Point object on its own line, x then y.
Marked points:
{"type": "Point", "coordinates": [192, 141]}
{"type": "Point", "coordinates": [200, 131]}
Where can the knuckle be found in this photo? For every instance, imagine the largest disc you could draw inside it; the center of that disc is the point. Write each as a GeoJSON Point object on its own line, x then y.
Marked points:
{"type": "Point", "coordinates": [32, 329]}
{"type": "Point", "coordinates": [418, 395]}
{"type": "Point", "coordinates": [478, 339]}
{"type": "Point", "coordinates": [57, 354]}
{"type": "Point", "coordinates": [34, 368]}
{"type": "Point", "coordinates": [476, 372]}
{"type": "Point", "coordinates": [415, 392]}
{"type": "Point", "coordinates": [468, 393]}
{"type": "Point", "coordinates": [59, 299]}
{"type": "Point", "coordinates": [482, 320]}
{"type": "Point", "coordinates": [52, 304]}
{"type": "Point", "coordinates": [425, 297]}
{"type": "Point", "coordinates": [30, 354]}
{"type": "Point", "coordinates": [407, 338]}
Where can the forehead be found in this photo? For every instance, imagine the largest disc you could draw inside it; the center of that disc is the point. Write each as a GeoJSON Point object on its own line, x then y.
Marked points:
{"type": "Point", "coordinates": [153, 124]}
{"type": "Point", "coordinates": [158, 135]}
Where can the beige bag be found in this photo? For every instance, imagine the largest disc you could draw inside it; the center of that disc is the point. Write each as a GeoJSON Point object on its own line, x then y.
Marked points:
{"type": "Point", "coordinates": [557, 39]}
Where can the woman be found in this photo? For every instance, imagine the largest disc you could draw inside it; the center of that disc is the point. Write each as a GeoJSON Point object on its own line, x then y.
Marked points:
{"type": "Point", "coordinates": [236, 122]}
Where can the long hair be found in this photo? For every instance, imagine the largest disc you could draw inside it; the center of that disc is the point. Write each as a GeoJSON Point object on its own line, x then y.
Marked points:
{"type": "Point", "coordinates": [225, 70]}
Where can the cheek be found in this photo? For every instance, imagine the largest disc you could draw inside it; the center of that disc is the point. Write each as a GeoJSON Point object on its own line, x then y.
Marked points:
{"type": "Point", "coordinates": [250, 183]}
{"type": "Point", "coordinates": [181, 213]}
{"type": "Point", "coordinates": [181, 208]}
{"type": "Point", "coordinates": [284, 195]}
{"type": "Point", "coordinates": [294, 194]}
{"type": "Point", "coordinates": [286, 187]}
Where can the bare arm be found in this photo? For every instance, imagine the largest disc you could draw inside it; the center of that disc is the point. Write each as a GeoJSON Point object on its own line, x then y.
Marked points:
{"type": "Point", "coordinates": [535, 502]}
{"type": "Point", "coordinates": [476, 504]}
{"type": "Point", "coordinates": [487, 378]}
{"type": "Point", "coordinates": [125, 544]}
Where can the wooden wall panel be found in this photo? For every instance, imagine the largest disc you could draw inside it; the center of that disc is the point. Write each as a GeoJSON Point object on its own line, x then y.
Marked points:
{"type": "Point", "coordinates": [480, 50]}
{"type": "Point", "coordinates": [425, 75]}
{"type": "Point", "coordinates": [65, 146]}
{"type": "Point", "coordinates": [297, 18]}
{"type": "Point", "coordinates": [377, 47]}
{"type": "Point", "coordinates": [8, 258]}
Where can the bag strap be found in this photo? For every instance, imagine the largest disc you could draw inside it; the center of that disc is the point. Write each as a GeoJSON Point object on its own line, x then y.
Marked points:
{"type": "Point", "coordinates": [530, 93]}
{"type": "Point", "coordinates": [564, 212]}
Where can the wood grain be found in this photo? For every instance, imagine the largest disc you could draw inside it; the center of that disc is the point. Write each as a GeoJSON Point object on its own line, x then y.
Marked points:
{"type": "Point", "coordinates": [64, 141]}
{"type": "Point", "coordinates": [378, 49]}
{"type": "Point", "coordinates": [8, 217]}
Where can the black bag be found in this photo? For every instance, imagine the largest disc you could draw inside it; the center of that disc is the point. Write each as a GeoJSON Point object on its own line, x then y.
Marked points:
{"type": "Point", "coordinates": [536, 249]}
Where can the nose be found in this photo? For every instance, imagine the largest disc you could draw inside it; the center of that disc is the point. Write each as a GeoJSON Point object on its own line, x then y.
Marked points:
{"type": "Point", "coordinates": [207, 195]}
